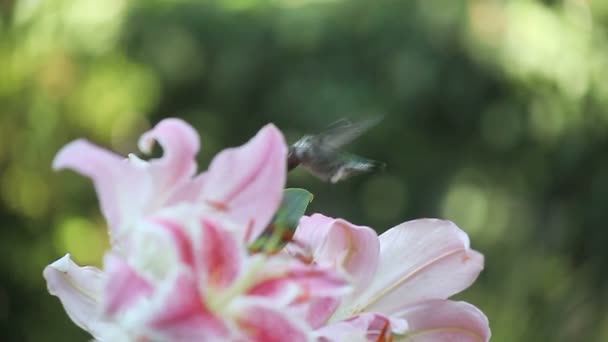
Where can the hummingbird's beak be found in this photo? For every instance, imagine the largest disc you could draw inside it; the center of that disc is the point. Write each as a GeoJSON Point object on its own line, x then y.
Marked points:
{"type": "Point", "coordinates": [292, 160]}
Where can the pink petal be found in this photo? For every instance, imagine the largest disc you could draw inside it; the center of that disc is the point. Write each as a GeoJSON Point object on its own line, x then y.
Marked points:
{"type": "Point", "coordinates": [260, 321]}
{"type": "Point", "coordinates": [188, 192]}
{"type": "Point", "coordinates": [312, 230]}
{"type": "Point", "coordinates": [336, 242]}
{"type": "Point", "coordinates": [443, 320]}
{"type": "Point", "coordinates": [311, 283]}
{"type": "Point", "coordinates": [221, 254]}
{"type": "Point", "coordinates": [180, 143]}
{"type": "Point", "coordinates": [420, 260]}
{"type": "Point", "coordinates": [131, 188]}
{"type": "Point", "coordinates": [279, 289]}
{"type": "Point", "coordinates": [247, 182]}
{"type": "Point", "coordinates": [112, 175]}
{"type": "Point", "coordinates": [320, 310]}
{"type": "Point", "coordinates": [183, 243]}
{"type": "Point", "coordinates": [319, 282]}
{"type": "Point", "coordinates": [364, 327]}
{"type": "Point", "coordinates": [79, 290]}
{"type": "Point", "coordinates": [123, 285]}
{"type": "Point", "coordinates": [314, 291]}
{"type": "Point", "coordinates": [183, 316]}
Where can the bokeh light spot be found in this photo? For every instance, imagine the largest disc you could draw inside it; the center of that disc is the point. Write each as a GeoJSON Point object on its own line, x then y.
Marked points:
{"type": "Point", "coordinates": [466, 202]}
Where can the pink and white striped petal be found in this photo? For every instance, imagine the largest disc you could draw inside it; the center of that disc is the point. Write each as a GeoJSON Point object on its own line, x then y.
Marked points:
{"type": "Point", "coordinates": [247, 182]}
{"type": "Point", "coordinates": [444, 320]}
{"type": "Point", "coordinates": [312, 282]}
{"type": "Point", "coordinates": [181, 314]}
{"type": "Point", "coordinates": [123, 287]}
{"type": "Point", "coordinates": [434, 262]}
{"type": "Point", "coordinates": [261, 321]}
{"type": "Point", "coordinates": [219, 253]}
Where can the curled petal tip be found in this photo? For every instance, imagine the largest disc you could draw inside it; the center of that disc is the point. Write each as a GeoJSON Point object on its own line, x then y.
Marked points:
{"type": "Point", "coordinates": [170, 131]}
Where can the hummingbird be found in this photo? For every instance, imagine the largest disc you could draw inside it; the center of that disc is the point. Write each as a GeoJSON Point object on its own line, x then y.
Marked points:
{"type": "Point", "coordinates": [322, 156]}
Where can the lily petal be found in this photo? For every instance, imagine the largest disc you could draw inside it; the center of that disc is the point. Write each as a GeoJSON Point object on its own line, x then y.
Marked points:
{"type": "Point", "coordinates": [181, 314]}
{"type": "Point", "coordinates": [247, 182]}
{"type": "Point", "coordinates": [365, 327]}
{"type": "Point", "coordinates": [435, 264]}
{"type": "Point", "coordinates": [111, 175]}
{"type": "Point", "coordinates": [123, 285]}
{"type": "Point", "coordinates": [79, 290]}
{"type": "Point", "coordinates": [312, 230]}
{"type": "Point", "coordinates": [180, 144]}
{"type": "Point", "coordinates": [312, 283]}
{"type": "Point", "coordinates": [151, 185]}
{"type": "Point", "coordinates": [263, 322]}
{"type": "Point", "coordinates": [220, 253]}
{"type": "Point", "coordinates": [320, 310]}
{"type": "Point", "coordinates": [444, 320]}
{"type": "Point", "coordinates": [336, 242]}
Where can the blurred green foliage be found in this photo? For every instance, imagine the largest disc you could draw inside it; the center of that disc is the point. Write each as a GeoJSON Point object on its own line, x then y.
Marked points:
{"type": "Point", "coordinates": [495, 118]}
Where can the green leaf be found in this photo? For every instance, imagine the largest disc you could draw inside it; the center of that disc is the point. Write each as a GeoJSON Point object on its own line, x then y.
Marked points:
{"type": "Point", "coordinates": [285, 221]}
{"type": "Point", "coordinates": [294, 204]}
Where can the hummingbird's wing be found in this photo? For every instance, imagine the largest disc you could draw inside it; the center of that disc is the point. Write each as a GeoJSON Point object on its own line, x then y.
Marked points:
{"type": "Point", "coordinates": [343, 132]}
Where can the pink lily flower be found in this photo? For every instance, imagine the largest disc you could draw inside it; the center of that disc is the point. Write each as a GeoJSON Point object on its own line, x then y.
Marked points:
{"type": "Point", "coordinates": [402, 280]}
{"type": "Point", "coordinates": [206, 286]}
{"type": "Point", "coordinates": [179, 268]}
{"type": "Point", "coordinates": [188, 277]}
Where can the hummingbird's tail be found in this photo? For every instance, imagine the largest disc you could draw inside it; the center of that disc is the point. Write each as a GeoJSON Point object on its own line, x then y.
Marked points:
{"type": "Point", "coordinates": [373, 165]}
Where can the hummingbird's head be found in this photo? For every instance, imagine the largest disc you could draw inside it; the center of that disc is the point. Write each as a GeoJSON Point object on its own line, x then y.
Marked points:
{"type": "Point", "coordinates": [298, 151]}
{"type": "Point", "coordinates": [301, 146]}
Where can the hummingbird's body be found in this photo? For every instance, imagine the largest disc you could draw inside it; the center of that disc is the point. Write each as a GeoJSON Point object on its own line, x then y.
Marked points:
{"type": "Point", "coordinates": [320, 154]}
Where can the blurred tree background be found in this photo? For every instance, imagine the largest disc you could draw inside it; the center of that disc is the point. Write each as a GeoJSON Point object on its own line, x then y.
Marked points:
{"type": "Point", "coordinates": [495, 116]}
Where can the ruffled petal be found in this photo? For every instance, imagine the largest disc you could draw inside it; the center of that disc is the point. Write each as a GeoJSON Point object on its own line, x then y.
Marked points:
{"type": "Point", "coordinates": [79, 290]}
{"type": "Point", "coordinates": [338, 243]}
{"type": "Point", "coordinates": [247, 182]}
{"type": "Point", "coordinates": [443, 320]}
{"type": "Point", "coordinates": [122, 187]}
{"type": "Point", "coordinates": [364, 327]}
{"type": "Point", "coordinates": [420, 260]}
{"type": "Point", "coordinates": [312, 231]}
